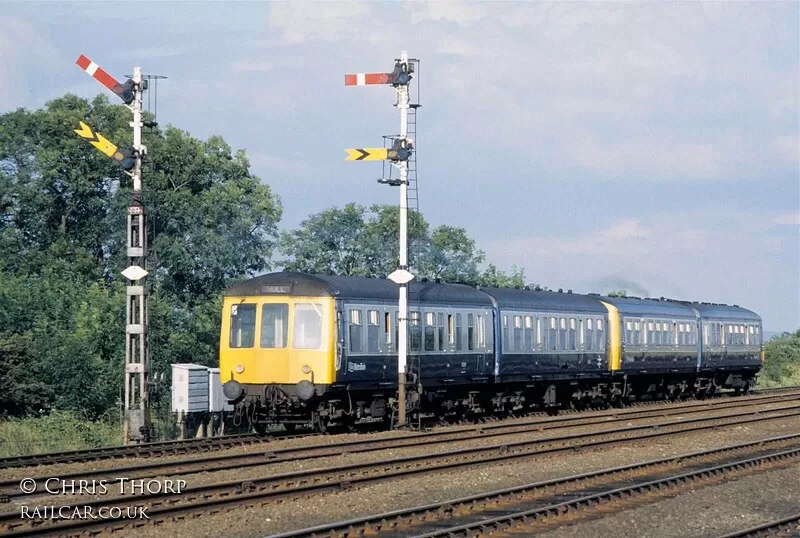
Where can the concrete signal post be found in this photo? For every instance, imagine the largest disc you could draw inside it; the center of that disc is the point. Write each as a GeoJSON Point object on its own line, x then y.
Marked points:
{"type": "Point", "coordinates": [398, 154]}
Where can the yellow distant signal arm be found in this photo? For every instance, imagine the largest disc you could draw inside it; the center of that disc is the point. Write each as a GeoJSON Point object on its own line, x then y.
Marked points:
{"type": "Point", "coordinates": [106, 147]}
{"type": "Point", "coordinates": [367, 154]}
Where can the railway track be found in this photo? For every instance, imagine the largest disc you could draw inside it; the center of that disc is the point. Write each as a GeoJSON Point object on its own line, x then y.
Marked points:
{"type": "Point", "coordinates": [529, 508]}
{"type": "Point", "coordinates": [163, 448]}
{"type": "Point", "coordinates": [300, 484]}
{"type": "Point", "coordinates": [189, 446]}
{"type": "Point", "coordinates": [10, 488]}
{"type": "Point", "coordinates": [788, 526]}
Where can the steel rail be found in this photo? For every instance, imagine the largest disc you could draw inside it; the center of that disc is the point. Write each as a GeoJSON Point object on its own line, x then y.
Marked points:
{"type": "Point", "coordinates": [771, 528]}
{"type": "Point", "coordinates": [9, 488]}
{"type": "Point", "coordinates": [161, 448]}
{"type": "Point", "coordinates": [302, 483]}
{"type": "Point", "coordinates": [475, 506]}
{"type": "Point", "coordinates": [660, 487]}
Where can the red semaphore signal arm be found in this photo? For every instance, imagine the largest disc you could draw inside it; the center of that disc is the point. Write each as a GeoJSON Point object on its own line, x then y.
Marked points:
{"type": "Point", "coordinates": [366, 79]}
{"type": "Point", "coordinates": [124, 91]}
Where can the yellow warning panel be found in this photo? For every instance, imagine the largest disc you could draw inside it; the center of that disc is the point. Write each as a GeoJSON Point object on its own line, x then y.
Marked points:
{"type": "Point", "coordinates": [97, 140]}
{"type": "Point", "coordinates": [367, 154]}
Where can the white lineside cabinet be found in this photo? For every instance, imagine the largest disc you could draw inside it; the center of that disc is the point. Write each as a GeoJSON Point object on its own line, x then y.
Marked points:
{"type": "Point", "coordinates": [216, 399]}
{"type": "Point", "coordinates": [189, 388]}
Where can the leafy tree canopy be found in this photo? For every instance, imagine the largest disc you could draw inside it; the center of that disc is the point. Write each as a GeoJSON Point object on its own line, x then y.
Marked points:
{"type": "Point", "coordinates": [63, 244]}
{"type": "Point", "coordinates": [354, 240]}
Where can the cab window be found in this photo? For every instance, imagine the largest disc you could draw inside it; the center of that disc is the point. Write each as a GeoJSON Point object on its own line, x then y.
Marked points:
{"type": "Point", "coordinates": [243, 325]}
{"type": "Point", "coordinates": [274, 325]}
{"type": "Point", "coordinates": [307, 326]}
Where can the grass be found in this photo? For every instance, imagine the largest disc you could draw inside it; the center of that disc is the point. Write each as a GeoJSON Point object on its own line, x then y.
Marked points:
{"type": "Point", "coordinates": [790, 378]}
{"type": "Point", "coordinates": [56, 432]}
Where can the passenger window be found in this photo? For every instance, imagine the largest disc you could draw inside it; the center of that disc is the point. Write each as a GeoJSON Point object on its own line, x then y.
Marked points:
{"type": "Point", "coordinates": [451, 338]}
{"type": "Point", "coordinates": [481, 334]}
{"type": "Point", "coordinates": [506, 345]}
{"type": "Point", "coordinates": [355, 330]}
{"type": "Point", "coordinates": [562, 333]}
{"type": "Point", "coordinates": [538, 333]}
{"type": "Point", "coordinates": [637, 333]}
{"type": "Point", "coordinates": [589, 333]}
{"type": "Point", "coordinates": [573, 334]}
{"type": "Point", "coordinates": [430, 331]}
{"type": "Point", "coordinates": [529, 344]}
{"type": "Point", "coordinates": [441, 329]}
{"type": "Point", "coordinates": [243, 325]}
{"type": "Point", "coordinates": [470, 332]}
{"type": "Point", "coordinates": [553, 334]}
{"type": "Point", "coordinates": [518, 342]}
{"type": "Point", "coordinates": [601, 337]}
{"type": "Point", "coordinates": [308, 326]}
{"type": "Point", "coordinates": [274, 325]}
{"type": "Point", "coordinates": [387, 330]}
{"type": "Point", "coordinates": [459, 333]}
{"type": "Point", "coordinates": [628, 332]}
{"type": "Point", "coordinates": [415, 332]}
{"type": "Point", "coordinates": [373, 331]}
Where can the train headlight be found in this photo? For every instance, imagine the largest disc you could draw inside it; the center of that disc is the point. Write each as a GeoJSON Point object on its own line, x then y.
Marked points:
{"type": "Point", "coordinates": [306, 369]}
{"type": "Point", "coordinates": [239, 368]}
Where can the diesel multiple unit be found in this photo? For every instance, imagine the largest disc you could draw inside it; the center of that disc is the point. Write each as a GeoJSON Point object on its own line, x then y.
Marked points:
{"type": "Point", "coordinates": [299, 349]}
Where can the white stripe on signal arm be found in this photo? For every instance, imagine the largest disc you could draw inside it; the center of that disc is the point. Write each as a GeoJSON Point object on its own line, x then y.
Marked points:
{"type": "Point", "coordinates": [361, 79]}
{"type": "Point", "coordinates": [92, 68]}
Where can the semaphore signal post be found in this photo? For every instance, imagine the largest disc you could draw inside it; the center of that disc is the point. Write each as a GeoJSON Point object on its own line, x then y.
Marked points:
{"type": "Point", "coordinates": [398, 154]}
{"type": "Point", "coordinates": [137, 425]}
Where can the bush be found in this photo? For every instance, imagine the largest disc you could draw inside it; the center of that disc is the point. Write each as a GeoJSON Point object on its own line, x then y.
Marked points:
{"type": "Point", "coordinates": [56, 432]}
{"type": "Point", "coordinates": [781, 361]}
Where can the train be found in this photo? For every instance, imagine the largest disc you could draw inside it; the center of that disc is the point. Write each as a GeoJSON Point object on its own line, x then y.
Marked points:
{"type": "Point", "coordinates": [321, 350]}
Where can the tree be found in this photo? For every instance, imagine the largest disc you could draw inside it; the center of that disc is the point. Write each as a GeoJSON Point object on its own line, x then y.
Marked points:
{"type": "Point", "coordinates": [782, 360]}
{"type": "Point", "coordinates": [451, 256]}
{"type": "Point", "coordinates": [63, 243]}
{"type": "Point", "coordinates": [365, 242]}
{"type": "Point", "coordinates": [494, 278]}
{"type": "Point", "coordinates": [618, 293]}
{"type": "Point", "coordinates": [352, 241]}
{"type": "Point", "coordinates": [330, 242]}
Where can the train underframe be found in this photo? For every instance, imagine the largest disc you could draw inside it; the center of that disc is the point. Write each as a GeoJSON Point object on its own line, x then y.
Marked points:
{"type": "Point", "coordinates": [263, 407]}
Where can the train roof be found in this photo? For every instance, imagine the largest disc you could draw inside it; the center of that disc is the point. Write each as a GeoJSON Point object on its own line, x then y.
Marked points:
{"type": "Point", "coordinates": [357, 288]}
{"type": "Point", "coordinates": [634, 306]}
{"type": "Point", "coordinates": [544, 300]}
{"type": "Point", "coordinates": [725, 312]}
{"type": "Point", "coordinates": [669, 307]}
{"type": "Point", "coordinates": [363, 288]}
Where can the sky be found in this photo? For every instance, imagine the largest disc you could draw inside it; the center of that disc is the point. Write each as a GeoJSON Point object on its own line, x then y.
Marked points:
{"type": "Point", "coordinates": [648, 146]}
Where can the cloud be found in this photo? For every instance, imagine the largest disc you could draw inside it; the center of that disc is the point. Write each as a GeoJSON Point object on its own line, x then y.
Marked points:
{"type": "Point", "coordinates": [744, 257]}
{"type": "Point", "coordinates": [787, 219]}
{"type": "Point", "coordinates": [788, 147]}
{"type": "Point", "coordinates": [323, 21]}
{"type": "Point", "coordinates": [24, 49]}
{"type": "Point", "coordinates": [241, 66]}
